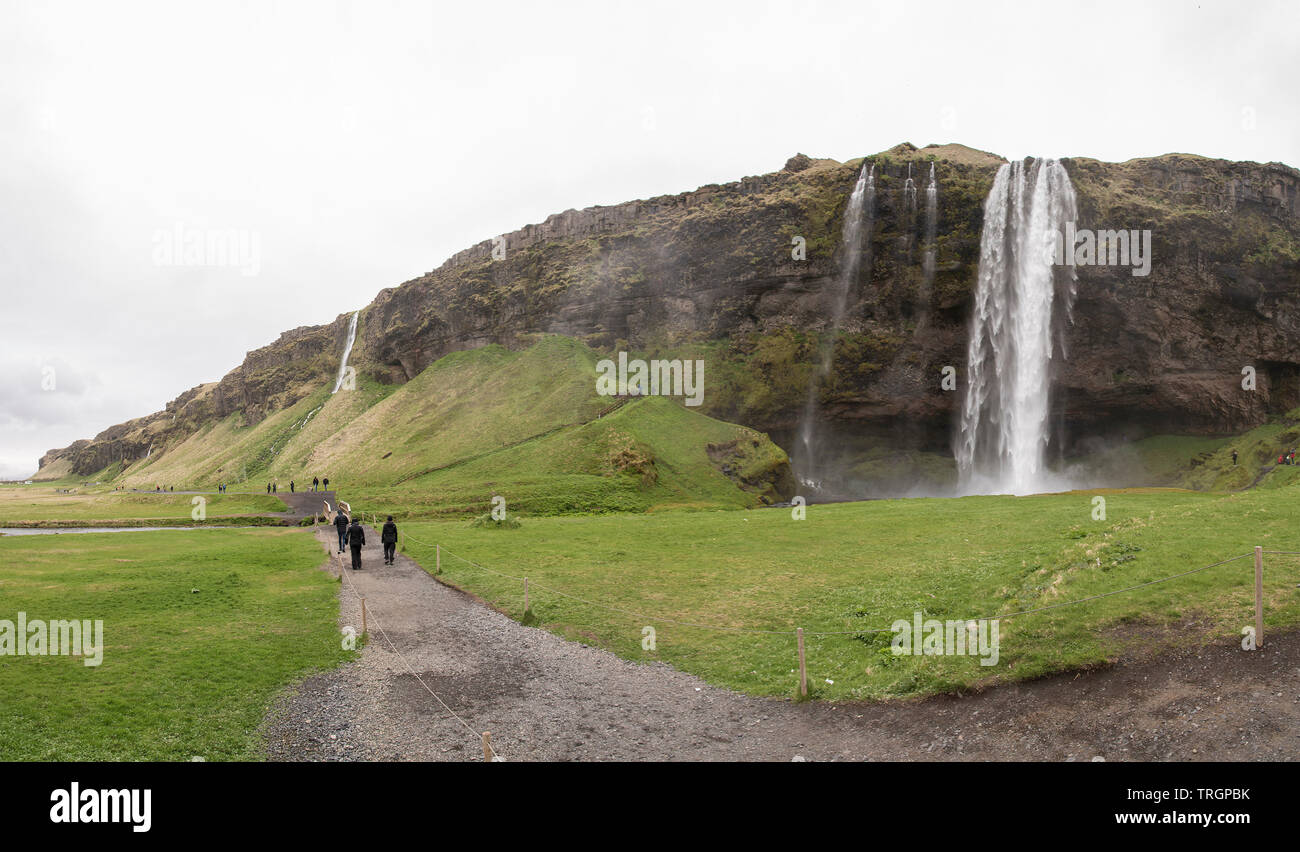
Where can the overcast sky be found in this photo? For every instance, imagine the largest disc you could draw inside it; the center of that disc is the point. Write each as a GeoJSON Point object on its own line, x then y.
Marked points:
{"type": "Point", "coordinates": [357, 145]}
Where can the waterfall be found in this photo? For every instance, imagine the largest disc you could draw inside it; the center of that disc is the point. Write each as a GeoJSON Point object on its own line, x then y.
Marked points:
{"type": "Point", "coordinates": [909, 190]}
{"type": "Point", "coordinates": [1002, 443]}
{"type": "Point", "coordinates": [858, 218]}
{"type": "Point", "coordinates": [927, 263]}
{"type": "Point", "coordinates": [347, 350]}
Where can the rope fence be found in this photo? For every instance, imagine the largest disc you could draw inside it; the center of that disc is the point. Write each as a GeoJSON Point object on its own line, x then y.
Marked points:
{"type": "Point", "coordinates": [798, 633]}
{"type": "Point", "coordinates": [367, 612]}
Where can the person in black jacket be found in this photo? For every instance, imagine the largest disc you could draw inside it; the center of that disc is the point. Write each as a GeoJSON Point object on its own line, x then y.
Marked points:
{"type": "Point", "coordinates": [389, 538]}
{"type": "Point", "coordinates": [341, 524]}
{"type": "Point", "coordinates": [356, 538]}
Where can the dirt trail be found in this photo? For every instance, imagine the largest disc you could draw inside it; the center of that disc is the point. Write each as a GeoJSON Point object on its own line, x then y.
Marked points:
{"type": "Point", "coordinates": [544, 698]}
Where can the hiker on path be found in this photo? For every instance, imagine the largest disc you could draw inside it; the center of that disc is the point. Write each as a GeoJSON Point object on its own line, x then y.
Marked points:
{"type": "Point", "coordinates": [341, 524]}
{"type": "Point", "coordinates": [290, 486]}
{"type": "Point", "coordinates": [327, 483]}
{"type": "Point", "coordinates": [275, 488]}
{"type": "Point", "coordinates": [389, 538]}
{"type": "Point", "coordinates": [315, 483]}
{"type": "Point", "coordinates": [1234, 458]}
{"type": "Point", "coordinates": [356, 538]}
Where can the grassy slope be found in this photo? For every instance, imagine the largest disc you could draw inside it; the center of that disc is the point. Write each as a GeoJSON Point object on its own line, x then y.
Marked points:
{"type": "Point", "coordinates": [1206, 463]}
{"type": "Point", "coordinates": [521, 424]}
{"type": "Point", "coordinates": [858, 566]}
{"type": "Point", "coordinates": [184, 673]}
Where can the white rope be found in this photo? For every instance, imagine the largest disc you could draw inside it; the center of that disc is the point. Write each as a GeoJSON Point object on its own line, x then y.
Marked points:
{"type": "Point", "coordinates": [374, 616]}
{"type": "Point", "coordinates": [791, 632]}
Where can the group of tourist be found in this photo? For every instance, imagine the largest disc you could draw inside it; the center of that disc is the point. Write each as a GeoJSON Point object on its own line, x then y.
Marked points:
{"type": "Point", "coordinates": [274, 487]}
{"type": "Point", "coordinates": [353, 536]}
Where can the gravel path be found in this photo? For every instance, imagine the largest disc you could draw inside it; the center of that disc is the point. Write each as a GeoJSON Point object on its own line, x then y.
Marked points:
{"type": "Point", "coordinates": [545, 698]}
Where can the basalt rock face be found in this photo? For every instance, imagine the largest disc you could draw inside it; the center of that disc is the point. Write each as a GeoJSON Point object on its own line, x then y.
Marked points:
{"type": "Point", "coordinates": [740, 275]}
{"type": "Point", "coordinates": [1166, 352]}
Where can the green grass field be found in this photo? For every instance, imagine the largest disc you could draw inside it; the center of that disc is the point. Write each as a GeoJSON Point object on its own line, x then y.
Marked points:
{"type": "Point", "coordinates": [24, 504]}
{"type": "Point", "coordinates": [859, 566]}
{"type": "Point", "coordinates": [201, 630]}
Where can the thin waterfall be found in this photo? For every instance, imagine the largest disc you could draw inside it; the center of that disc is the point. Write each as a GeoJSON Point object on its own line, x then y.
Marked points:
{"type": "Point", "coordinates": [927, 263]}
{"type": "Point", "coordinates": [1001, 446]}
{"type": "Point", "coordinates": [347, 350]}
{"type": "Point", "coordinates": [858, 218]}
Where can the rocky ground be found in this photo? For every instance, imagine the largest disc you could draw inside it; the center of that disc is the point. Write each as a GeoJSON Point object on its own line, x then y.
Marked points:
{"type": "Point", "coordinates": [544, 698]}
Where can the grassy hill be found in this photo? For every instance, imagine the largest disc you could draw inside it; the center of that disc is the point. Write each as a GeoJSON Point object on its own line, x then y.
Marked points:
{"type": "Point", "coordinates": [527, 425]}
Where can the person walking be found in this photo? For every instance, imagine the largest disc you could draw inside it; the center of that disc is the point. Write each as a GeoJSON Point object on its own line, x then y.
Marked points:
{"type": "Point", "coordinates": [341, 525]}
{"type": "Point", "coordinates": [290, 486]}
{"type": "Point", "coordinates": [1234, 458]}
{"type": "Point", "coordinates": [357, 540]}
{"type": "Point", "coordinates": [327, 483]}
{"type": "Point", "coordinates": [315, 483]}
{"type": "Point", "coordinates": [275, 488]}
{"type": "Point", "coordinates": [389, 538]}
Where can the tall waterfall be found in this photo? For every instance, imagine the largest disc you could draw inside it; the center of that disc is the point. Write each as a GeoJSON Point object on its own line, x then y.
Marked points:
{"type": "Point", "coordinates": [927, 263]}
{"type": "Point", "coordinates": [347, 350]}
{"type": "Point", "coordinates": [1002, 444]}
{"type": "Point", "coordinates": [858, 217]}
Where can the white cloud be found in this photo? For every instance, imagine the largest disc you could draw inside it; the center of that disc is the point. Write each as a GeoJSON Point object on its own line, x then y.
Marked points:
{"type": "Point", "coordinates": [366, 143]}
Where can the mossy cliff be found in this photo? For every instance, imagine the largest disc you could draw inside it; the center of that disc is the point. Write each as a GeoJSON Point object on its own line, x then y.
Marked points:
{"type": "Point", "coordinates": [710, 274]}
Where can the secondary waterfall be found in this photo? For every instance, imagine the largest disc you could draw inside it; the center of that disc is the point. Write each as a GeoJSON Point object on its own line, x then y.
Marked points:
{"type": "Point", "coordinates": [858, 217]}
{"type": "Point", "coordinates": [347, 350]}
{"type": "Point", "coordinates": [1002, 443]}
{"type": "Point", "coordinates": [927, 263]}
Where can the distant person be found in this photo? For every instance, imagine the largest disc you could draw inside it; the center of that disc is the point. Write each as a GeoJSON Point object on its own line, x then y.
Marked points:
{"type": "Point", "coordinates": [275, 488]}
{"type": "Point", "coordinates": [290, 486]}
{"type": "Point", "coordinates": [1234, 458]}
{"type": "Point", "coordinates": [356, 539]}
{"type": "Point", "coordinates": [388, 535]}
{"type": "Point", "coordinates": [327, 483]}
{"type": "Point", "coordinates": [341, 525]}
{"type": "Point", "coordinates": [268, 488]}
{"type": "Point", "coordinates": [315, 483]}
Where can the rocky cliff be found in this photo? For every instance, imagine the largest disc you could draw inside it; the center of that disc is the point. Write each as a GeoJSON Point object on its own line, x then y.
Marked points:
{"type": "Point", "coordinates": [713, 274]}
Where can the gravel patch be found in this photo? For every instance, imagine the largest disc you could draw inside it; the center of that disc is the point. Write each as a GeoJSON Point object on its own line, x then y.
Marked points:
{"type": "Point", "coordinates": [545, 698]}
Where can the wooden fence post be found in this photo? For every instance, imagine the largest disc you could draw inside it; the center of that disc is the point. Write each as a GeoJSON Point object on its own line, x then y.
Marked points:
{"type": "Point", "coordinates": [487, 746]}
{"type": "Point", "coordinates": [525, 594]}
{"type": "Point", "coordinates": [437, 563]}
{"type": "Point", "coordinates": [363, 615]}
{"type": "Point", "coordinates": [803, 668]}
{"type": "Point", "coordinates": [1259, 597]}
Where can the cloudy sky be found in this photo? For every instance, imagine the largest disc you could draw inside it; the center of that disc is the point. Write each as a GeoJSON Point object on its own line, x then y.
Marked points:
{"type": "Point", "coordinates": [348, 147]}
